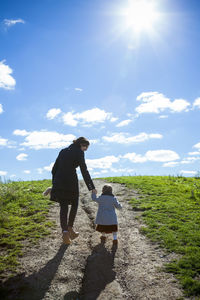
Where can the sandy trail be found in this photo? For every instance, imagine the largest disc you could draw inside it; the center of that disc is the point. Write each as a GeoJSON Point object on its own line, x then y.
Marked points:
{"type": "Point", "coordinates": [89, 270]}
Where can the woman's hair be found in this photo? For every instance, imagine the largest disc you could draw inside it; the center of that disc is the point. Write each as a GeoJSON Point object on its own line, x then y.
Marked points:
{"type": "Point", "coordinates": [107, 189]}
{"type": "Point", "coordinates": [81, 141]}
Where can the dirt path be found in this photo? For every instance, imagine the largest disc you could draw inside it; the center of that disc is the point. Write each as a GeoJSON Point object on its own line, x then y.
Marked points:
{"type": "Point", "coordinates": [87, 270]}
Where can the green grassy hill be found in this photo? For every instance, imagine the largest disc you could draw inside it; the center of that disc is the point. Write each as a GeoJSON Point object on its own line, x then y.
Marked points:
{"type": "Point", "coordinates": [170, 209]}
{"type": "Point", "coordinates": [23, 211]}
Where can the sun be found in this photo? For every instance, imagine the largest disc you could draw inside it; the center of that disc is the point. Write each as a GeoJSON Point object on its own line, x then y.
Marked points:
{"type": "Point", "coordinates": [140, 15]}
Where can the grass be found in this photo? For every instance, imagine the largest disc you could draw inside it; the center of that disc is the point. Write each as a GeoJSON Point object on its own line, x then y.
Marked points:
{"type": "Point", "coordinates": [171, 210]}
{"type": "Point", "coordinates": [23, 211]}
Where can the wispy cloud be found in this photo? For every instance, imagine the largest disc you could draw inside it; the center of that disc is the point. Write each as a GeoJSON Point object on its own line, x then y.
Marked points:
{"type": "Point", "coordinates": [124, 123]}
{"type": "Point", "coordinates": [194, 153]}
{"type": "Point", "coordinates": [52, 113]}
{"type": "Point", "coordinates": [125, 138]}
{"type": "Point", "coordinates": [3, 142]}
{"type": "Point", "coordinates": [87, 117]}
{"type": "Point", "coordinates": [171, 164]}
{"type": "Point", "coordinates": [11, 22]}
{"type": "Point", "coordinates": [1, 108]}
{"type": "Point", "coordinates": [45, 169]}
{"type": "Point", "coordinates": [154, 102]}
{"type": "Point", "coordinates": [45, 139]}
{"type": "Point", "coordinates": [22, 156]}
{"type": "Point", "coordinates": [188, 172]}
{"type": "Point", "coordinates": [196, 103]}
{"type": "Point", "coordinates": [7, 82]}
{"type": "Point", "coordinates": [163, 117]}
{"type": "Point", "coordinates": [78, 89]}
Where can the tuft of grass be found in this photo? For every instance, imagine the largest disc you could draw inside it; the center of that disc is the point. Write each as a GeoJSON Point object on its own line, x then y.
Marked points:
{"type": "Point", "coordinates": [171, 211]}
{"type": "Point", "coordinates": [23, 211]}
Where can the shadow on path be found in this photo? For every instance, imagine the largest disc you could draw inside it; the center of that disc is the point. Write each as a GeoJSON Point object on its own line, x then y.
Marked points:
{"type": "Point", "coordinates": [98, 272]}
{"type": "Point", "coordinates": [34, 286]}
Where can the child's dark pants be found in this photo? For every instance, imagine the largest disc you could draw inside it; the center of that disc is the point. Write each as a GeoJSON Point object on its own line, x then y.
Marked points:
{"type": "Point", "coordinates": [64, 214]}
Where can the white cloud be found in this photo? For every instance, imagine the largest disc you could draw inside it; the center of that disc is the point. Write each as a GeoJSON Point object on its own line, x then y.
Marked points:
{"type": "Point", "coordinates": [21, 132]}
{"type": "Point", "coordinates": [47, 140]}
{"type": "Point", "coordinates": [52, 113]}
{"type": "Point", "coordinates": [3, 173]}
{"type": "Point", "coordinates": [10, 23]}
{"type": "Point", "coordinates": [154, 102]}
{"type": "Point", "coordinates": [40, 170]}
{"type": "Point", "coordinates": [161, 155]}
{"type": "Point", "coordinates": [171, 164]}
{"type": "Point", "coordinates": [22, 156]}
{"type": "Point", "coordinates": [155, 155]}
{"type": "Point", "coordinates": [189, 160]}
{"type": "Point", "coordinates": [197, 103]}
{"type": "Point", "coordinates": [102, 163]}
{"type": "Point", "coordinates": [122, 170]}
{"type": "Point", "coordinates": [189, 172]}
{"type": "Point", "coordinates": [113, 119]}
{"type": "Point", "coordinates": [124, 138]}
{"type": "Point", "coordinates": [124, 123]}
{"type": "Point", "coordinates": [3, 142]}
{"type": "Point", "coordinates": [27, 171]}
{"type": "Point", "coordinates": [135, 158]}
{"type": "Point", "coordinates": [78, 89]}
{"type": "Point", "coordinates": [87, 117]}
{"type": "Point", "coordinates": [94, 141]}
{"type": "Point", "coordinates": [6, 80]}
{"type": "Point", "coordinates": [46, 168]}
{"type": "Point", "coordinates": [49, 168]}
{"type": "Point", "coordinates": [69, 119]}
{"type": "Point", "coordinates": [1, 108]}
{"type": "Point", "coordinates": [197, 146]}
{"type": "Point", "coordinates": [194, 153]}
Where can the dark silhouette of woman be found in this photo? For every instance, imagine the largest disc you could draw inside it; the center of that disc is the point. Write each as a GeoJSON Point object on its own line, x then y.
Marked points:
{"type": "Point", "coordinates": [65, 189]}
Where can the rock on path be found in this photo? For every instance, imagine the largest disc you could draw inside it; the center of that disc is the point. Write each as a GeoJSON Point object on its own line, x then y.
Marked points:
{"type": "Point", "coordinates": [89, 270]}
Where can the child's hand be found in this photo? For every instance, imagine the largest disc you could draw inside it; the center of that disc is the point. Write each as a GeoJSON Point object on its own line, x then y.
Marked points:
{"type": "Point", "coordinates": [94, 191]}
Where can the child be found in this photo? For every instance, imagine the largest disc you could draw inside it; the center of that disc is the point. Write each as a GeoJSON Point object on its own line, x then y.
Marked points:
{"type": "Point", "coordinates": [106, 218]}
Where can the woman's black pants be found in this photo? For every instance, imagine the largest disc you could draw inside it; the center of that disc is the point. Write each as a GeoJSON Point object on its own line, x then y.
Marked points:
{"type": "Point", "coordinates": [64, 208]}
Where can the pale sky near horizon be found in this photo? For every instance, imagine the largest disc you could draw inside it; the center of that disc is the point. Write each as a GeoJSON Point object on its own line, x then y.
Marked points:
{"type": "Point", "coordinates": [124, 74]}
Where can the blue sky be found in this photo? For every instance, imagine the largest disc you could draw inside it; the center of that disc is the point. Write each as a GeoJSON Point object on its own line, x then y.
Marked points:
{"type": "Point", "coordinates": [88, 68]}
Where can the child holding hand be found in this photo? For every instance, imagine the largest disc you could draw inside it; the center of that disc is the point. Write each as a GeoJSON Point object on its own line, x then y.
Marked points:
{"type": "Point", "coordinates": [106, 218]}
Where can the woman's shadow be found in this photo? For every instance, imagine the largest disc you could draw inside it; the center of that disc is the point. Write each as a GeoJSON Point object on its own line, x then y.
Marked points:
{"type": "Point", "coordinates": [34, 286]}
{"type": "Point", "coordinates": [98, 272]}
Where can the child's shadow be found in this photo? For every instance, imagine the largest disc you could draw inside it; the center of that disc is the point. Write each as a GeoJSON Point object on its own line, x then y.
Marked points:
{"type": "Point", "coordinates": [34, 286]}
{"type": "Point", "coordinates": [99, 271]}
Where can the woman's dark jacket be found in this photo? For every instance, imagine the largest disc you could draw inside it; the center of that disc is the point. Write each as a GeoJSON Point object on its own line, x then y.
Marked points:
{"type": "Point", "coordinates": [64, 177]}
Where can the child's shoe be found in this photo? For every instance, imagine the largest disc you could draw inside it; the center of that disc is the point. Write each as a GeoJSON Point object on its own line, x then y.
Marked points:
{"type": "Point", "coordinates": [66, 238]}
{"type": "Point", "coordinates": [103, 239]}
{"type": "Point", "coordinates": [72, 234]}
{"type": "Point", "coordinates": [115, 242]}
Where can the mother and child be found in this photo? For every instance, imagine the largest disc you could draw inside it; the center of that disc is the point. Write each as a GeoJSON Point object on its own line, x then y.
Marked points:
{"type": "Point", "coordinates": [65, 191]}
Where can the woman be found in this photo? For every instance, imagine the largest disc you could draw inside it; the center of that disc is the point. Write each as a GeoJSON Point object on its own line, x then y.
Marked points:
{"type": "Point", "coordinates": [65, 188]}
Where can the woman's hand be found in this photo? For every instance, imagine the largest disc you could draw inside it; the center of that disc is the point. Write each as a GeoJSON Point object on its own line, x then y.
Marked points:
{"type": "Point", "coordinates": [94, 191]}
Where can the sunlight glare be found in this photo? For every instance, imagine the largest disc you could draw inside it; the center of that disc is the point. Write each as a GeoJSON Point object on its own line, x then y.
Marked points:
{"type": "Point", "coordinates": [140, 15]}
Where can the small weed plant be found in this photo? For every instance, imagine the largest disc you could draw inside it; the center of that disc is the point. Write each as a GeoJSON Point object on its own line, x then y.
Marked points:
{"type": "Point", "coordinates": [23, 211]}
{"type": "Point", "coordinates": [171, 210]}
